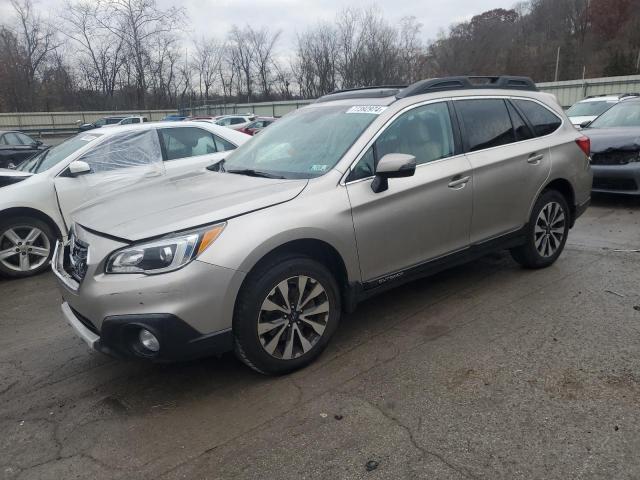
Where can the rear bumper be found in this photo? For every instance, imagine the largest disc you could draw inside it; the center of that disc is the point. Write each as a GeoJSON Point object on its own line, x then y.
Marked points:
{"type": "Point", "coordinates": [118, 336]}
{"type": "Point", "coordinates": [620, 179]}
{"type": "Point", "coordinates": [580, 209]}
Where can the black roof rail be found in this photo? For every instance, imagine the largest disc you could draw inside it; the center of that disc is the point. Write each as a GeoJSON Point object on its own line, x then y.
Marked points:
{"type": "Point", "coordinates": [468, 83]}
{"type": "Point", "coordinates": [362, 92]}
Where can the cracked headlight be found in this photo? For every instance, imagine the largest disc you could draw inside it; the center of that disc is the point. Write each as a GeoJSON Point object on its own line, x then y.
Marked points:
{"type": "Point", "coordinates": [165, 254]}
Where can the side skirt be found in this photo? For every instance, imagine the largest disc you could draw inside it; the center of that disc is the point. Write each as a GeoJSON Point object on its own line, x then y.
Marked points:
{"type": "Point", "coordinates": [357, 292]}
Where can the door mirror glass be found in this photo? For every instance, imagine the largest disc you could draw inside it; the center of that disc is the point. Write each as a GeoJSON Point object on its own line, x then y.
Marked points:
{"type": "Point", "coordinates": [78, 167]}
{"type": "Point", "coordinates": [585, 124]}
{"type": "Point", "coordinates": [393, 165]}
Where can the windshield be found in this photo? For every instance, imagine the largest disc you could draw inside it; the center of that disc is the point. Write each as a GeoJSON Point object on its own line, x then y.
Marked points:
{"type": "Point", "coordinates": [52, 156]}
{"type": "Point", "coordinates": [589, 109]}
{"type": "Point", "coordinates": [624, 114]}
{"type": "Point", "coordinates": [306, 143]}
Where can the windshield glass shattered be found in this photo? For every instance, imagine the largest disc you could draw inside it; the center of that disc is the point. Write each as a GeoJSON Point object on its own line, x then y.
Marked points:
{"type": "Point", "coordinates": [306, 143]}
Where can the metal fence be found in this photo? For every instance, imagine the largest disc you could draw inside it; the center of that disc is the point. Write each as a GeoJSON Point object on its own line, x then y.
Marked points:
{"type": "Point", "coordinates": [567, 92]}
{"type": "Point", "coordinates": [270, 109]}
{"type": "Point", "coordinates": [571, 91]}
{"type": "Point", "coordinates": [61, 122]}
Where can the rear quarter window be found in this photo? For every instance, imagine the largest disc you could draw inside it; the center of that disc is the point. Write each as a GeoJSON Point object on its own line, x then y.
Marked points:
{"type": "Point", "coordinates": [542, 119]}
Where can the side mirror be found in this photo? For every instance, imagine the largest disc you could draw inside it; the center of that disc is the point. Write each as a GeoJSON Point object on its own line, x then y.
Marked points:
{"type": "Point", "coordinates": [392, 165]}
{"type": "Point", "coordinates": [585, 124]}
{"type": "Point", "coordinates": [37, 143]}
{"type": "Point", "coordinates": [78, 167]}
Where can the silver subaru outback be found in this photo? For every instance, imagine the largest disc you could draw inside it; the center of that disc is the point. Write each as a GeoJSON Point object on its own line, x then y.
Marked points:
{"type": "Point", "coordinates": [361, 191]}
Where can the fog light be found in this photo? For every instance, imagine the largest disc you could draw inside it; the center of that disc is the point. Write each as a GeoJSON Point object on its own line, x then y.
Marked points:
{"type": "Point", "coordinates": [149, 340]}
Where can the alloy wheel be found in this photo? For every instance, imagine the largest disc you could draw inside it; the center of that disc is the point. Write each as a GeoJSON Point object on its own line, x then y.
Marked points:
{"type": "Point", "coordinates": [293, 317]}
{"type": "Point", "coordinates": [549, 229]}
{"type": "Point", "coordinates": [24, 248]}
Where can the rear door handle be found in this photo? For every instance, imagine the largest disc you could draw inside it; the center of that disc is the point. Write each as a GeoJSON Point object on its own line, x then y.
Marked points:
{"type": "Point", "coordinates": [535, 158]}
{"type": "Point", "coordinates": [458, 182]}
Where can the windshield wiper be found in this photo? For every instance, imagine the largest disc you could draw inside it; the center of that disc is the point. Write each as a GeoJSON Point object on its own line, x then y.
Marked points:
{"type": "Point", "coordinates": [254, 173]}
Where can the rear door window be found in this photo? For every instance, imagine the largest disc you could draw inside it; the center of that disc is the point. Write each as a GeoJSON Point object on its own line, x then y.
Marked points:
{"type": "Point", "coordinates": [544, 122]}
{"type": "Point", "coordinates": [486, 123]}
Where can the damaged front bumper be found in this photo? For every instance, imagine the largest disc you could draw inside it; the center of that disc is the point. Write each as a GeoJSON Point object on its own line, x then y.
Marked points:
{"type": "Point", "coordinates": [189, 310]}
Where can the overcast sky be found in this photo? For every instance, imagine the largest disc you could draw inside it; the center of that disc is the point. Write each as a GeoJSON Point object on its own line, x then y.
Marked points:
{"type": "Point", "coordinates": [215, 17]}
{"type": "Point", "coordinates": [291, 16]}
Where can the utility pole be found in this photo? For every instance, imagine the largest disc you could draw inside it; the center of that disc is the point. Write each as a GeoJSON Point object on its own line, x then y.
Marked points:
{"type": "Point", "coordinates": [557, 65]}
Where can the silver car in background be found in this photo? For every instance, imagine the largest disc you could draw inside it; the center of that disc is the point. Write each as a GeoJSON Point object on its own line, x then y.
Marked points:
{"type": "Point", "coordinates": [357, 193]}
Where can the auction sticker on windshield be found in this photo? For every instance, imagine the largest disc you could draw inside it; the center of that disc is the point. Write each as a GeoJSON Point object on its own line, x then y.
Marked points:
{"type": "Point", "coordinates": [373, 109]}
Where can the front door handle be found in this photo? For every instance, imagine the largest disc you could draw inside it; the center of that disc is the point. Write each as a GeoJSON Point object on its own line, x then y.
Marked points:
{"type": "Point", "coordinates": [458, 182]}
{"type": "Point", "coordinates": [535, 158]}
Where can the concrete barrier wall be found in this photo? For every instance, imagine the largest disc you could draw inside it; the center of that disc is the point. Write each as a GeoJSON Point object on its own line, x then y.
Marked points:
{"type": "Point", "coordinates": [51, 122]}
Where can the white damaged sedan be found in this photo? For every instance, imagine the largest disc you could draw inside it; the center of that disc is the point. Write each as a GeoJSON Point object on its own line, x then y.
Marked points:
{"type": "Point", "coordinates": [37, 198]}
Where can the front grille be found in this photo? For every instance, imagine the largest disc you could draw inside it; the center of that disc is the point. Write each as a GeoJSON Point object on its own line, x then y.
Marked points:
{"type": "Point", "coordinates": [621, 184]}
{"type": "Point", "coordinates": [76, 258]}
{"type": "Point", "coordinates": [619, 157]}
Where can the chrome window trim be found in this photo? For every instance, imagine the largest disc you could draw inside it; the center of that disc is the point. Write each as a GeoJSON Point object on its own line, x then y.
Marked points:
{"type": "Point", "coordinates": [343, 180]}
{"type": "Point", "coordinates": [372, 140]}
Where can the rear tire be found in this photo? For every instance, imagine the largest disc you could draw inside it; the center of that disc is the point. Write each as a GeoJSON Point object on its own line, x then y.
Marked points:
{"type": "Point", "coordinates": [546, 232]}
{"type": "Point", "coordinates": [286, 313]}
{"type": "Point", "coordinates": [26, 246]}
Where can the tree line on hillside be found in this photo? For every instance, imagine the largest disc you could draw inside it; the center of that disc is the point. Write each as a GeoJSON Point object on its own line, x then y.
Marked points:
{"type": "Point", "coordinates": [131, 54]}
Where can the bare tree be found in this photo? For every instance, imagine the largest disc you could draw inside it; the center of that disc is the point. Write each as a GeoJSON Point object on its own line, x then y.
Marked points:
{"type": "Point", "coordinates": [242, 58]}
{"type": "Point", "coordinates": [103, 49]}
{"type": "Point", "coordinates": [262, 41]}
{"type": "Point", "coordinates": [37, 37]}
{"type": "Point", "coordinates": [206, 63]}
{"type": "Point", "coordinates": [136, 23]}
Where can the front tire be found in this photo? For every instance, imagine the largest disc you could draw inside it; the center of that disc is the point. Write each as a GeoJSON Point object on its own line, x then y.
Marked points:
{"type": "Point", "coordinates": [546, 232]}
{"type": "Point", "coordinates": [286, 313]}
{"type": "Point", "coordinates": [26, 246]}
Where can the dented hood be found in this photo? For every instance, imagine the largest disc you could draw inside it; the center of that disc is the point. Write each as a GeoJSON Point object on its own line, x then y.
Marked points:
{"type": "Point", "coordinates": [171, 204]}
{"type": "Point", "coordinates": [610, 139]}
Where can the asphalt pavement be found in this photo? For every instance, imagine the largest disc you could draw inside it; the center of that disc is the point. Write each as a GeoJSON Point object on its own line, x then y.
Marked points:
{"type": "Point", "coordinates": [487, 371]}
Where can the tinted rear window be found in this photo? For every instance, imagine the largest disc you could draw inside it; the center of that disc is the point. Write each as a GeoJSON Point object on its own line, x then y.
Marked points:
{"type": "Point", "coordinates": [521, 129]}
{"type": "Point", "coordinates": [544, 122]}
{"type": "Point", "coordinates": [486, 123]}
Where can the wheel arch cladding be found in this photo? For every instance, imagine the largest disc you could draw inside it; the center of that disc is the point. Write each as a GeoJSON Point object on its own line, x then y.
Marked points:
{"type": "Point", "coordinates": [564, 187]}
{"type": "Point", "coordinates": [30, 212]}
{"type": "Point", "coordinates": [315, 249]}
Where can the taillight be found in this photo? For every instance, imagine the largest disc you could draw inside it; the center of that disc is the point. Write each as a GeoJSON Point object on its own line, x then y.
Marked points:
{"type": "Point", "coordinates": [585, 145]}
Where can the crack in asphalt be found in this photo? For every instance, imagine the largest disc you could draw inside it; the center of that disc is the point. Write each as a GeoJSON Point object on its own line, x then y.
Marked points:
{"type": "Point", "coordinates": [458, 469]}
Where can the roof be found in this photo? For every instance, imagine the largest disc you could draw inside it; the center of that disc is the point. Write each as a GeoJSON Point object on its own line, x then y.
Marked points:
{"type": "Point", "coordinates": [434, 85]}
